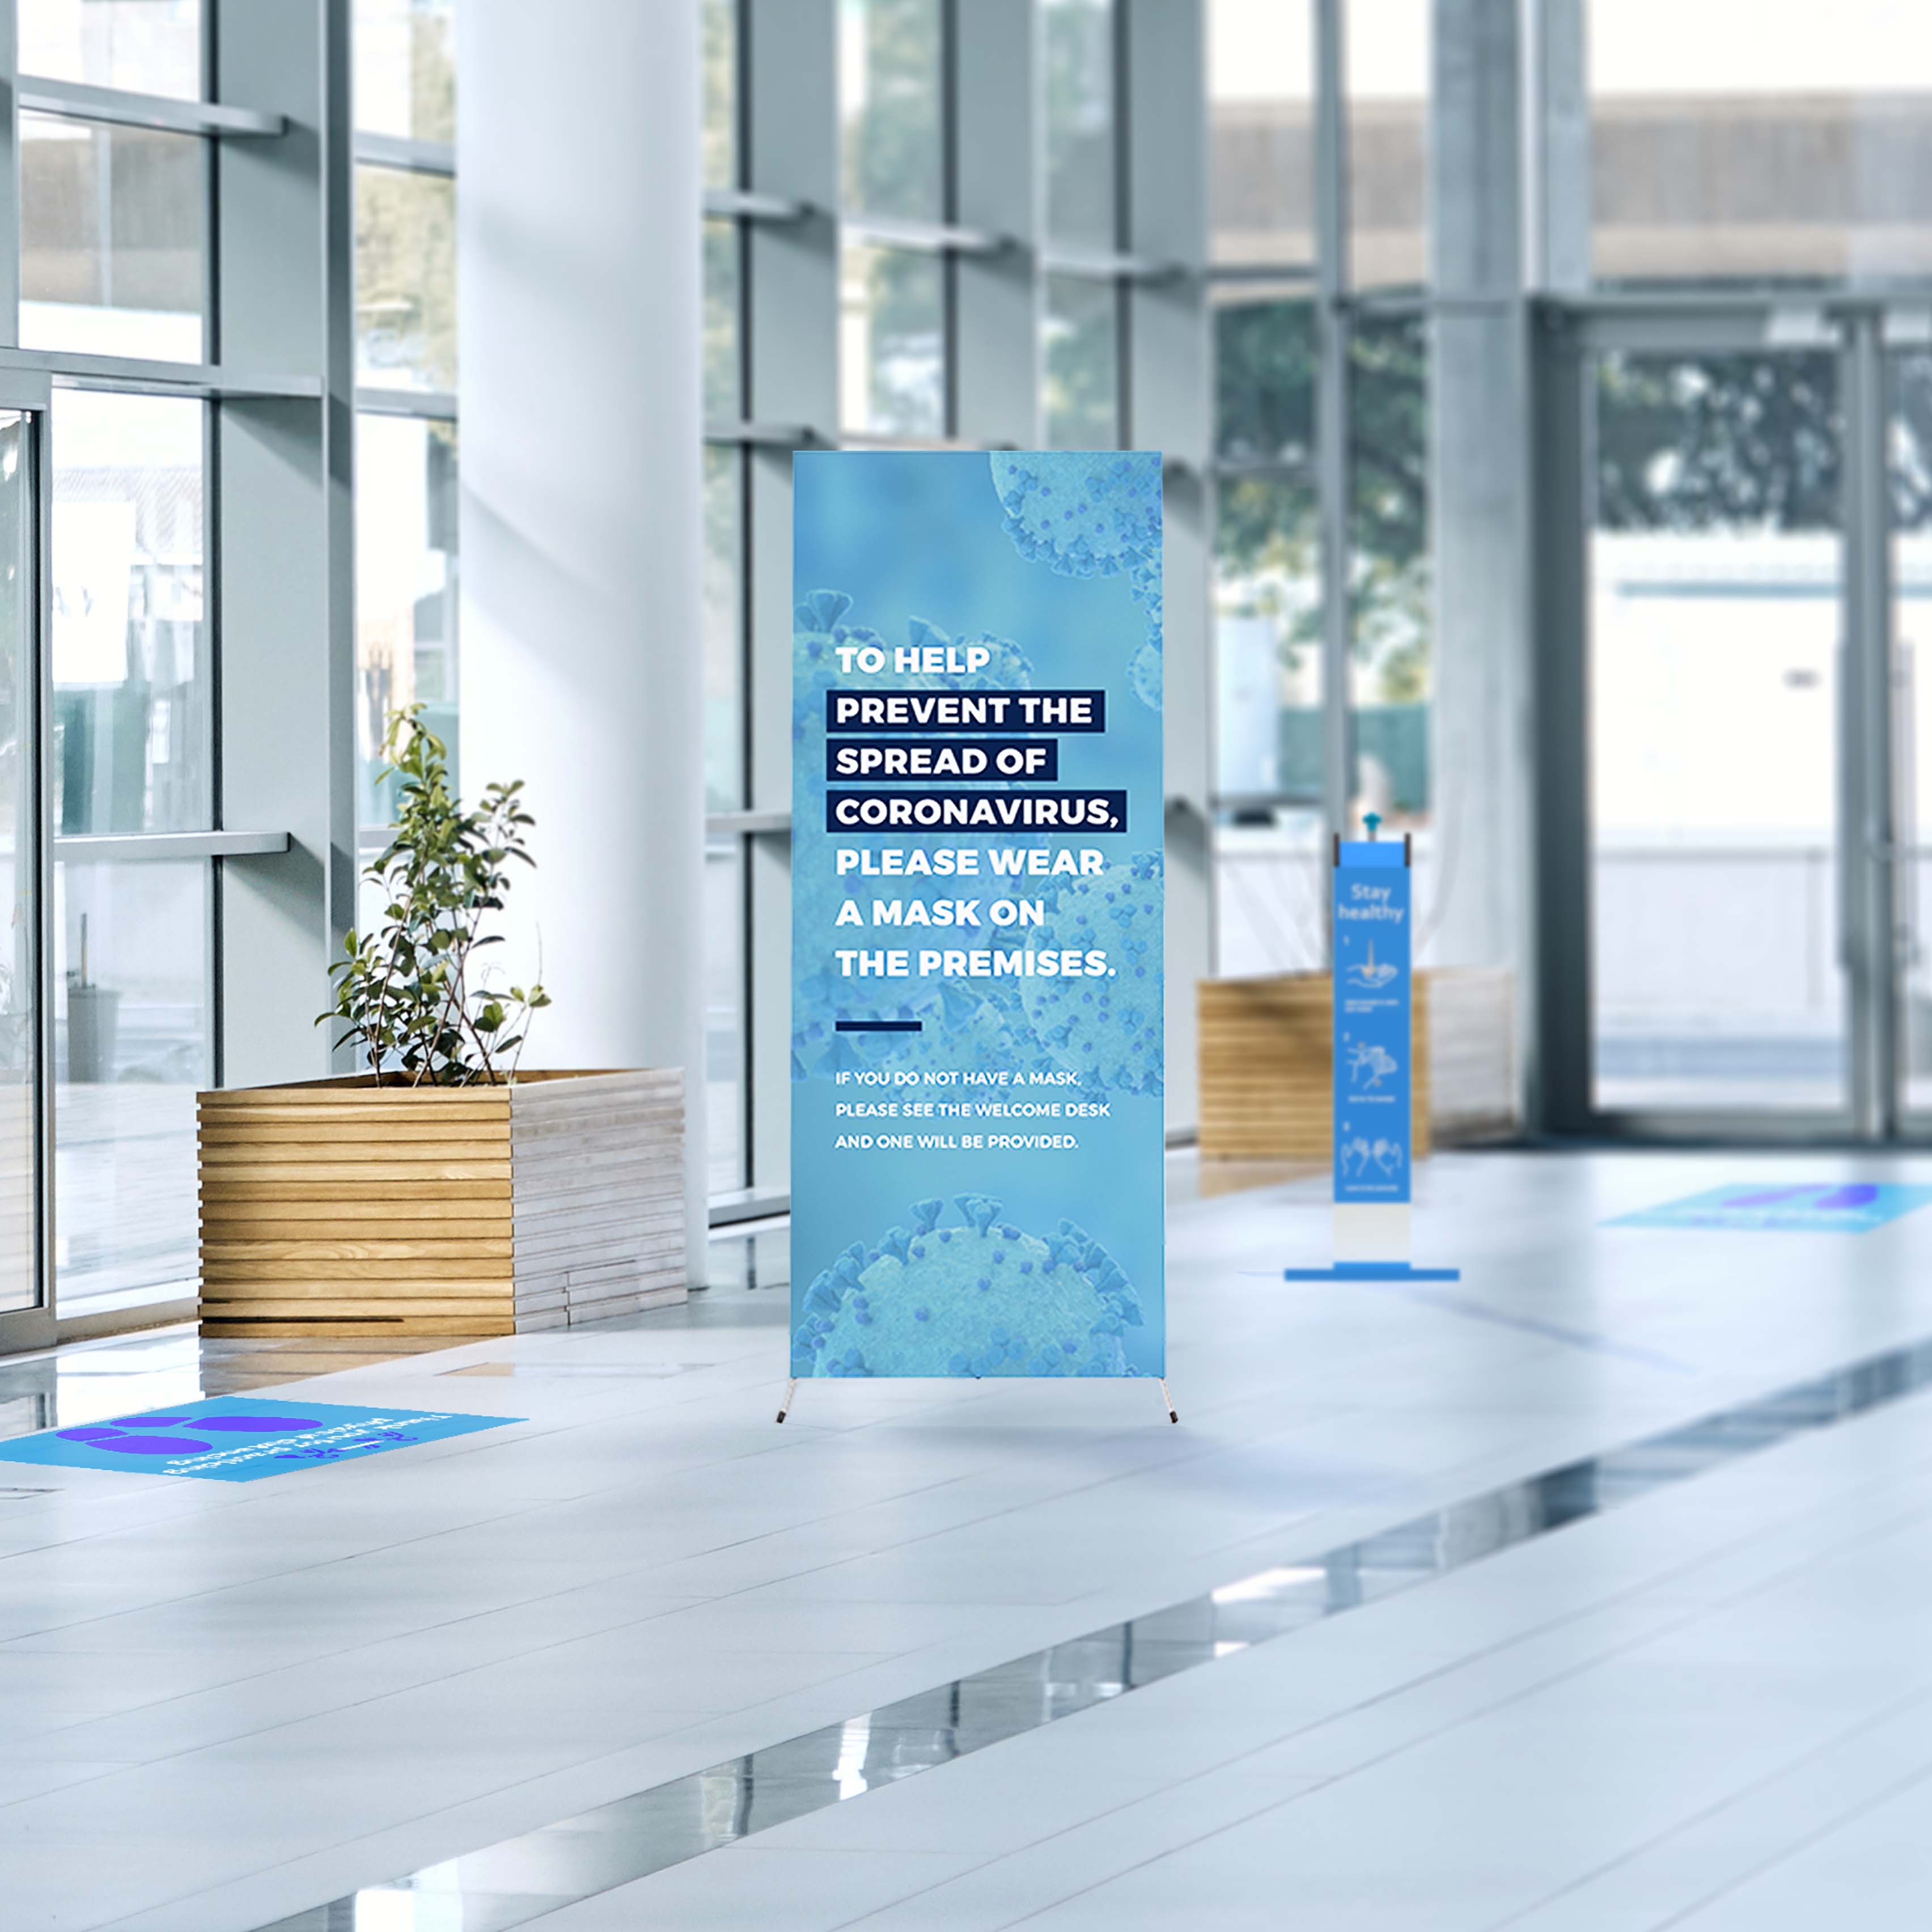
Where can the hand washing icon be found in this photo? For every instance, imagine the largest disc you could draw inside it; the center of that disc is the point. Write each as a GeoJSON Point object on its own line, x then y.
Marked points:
{"type": "Point", "coordinates": [1369, 1066]}
{"type": "Point", "coordinates": [127, 1435]}
{"type": "Point", "coordinates": [1370, 973]}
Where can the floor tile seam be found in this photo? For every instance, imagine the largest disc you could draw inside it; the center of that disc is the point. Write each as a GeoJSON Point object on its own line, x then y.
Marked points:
{"type": "Point", "coordinates": [336, 1657]}
{"type": "Point", "coordinates": [1691, 1615]}
{"type": "Point", "coordinates": [495, 1792]}
{"type": "Point", "coordinates": [1527, 1322]}
{"type": "Point", "coordinates": [1450, 1478]}
{"type": "Point", "coordinates": [1785, 1853]}
{"type": "Point", "coordinates": [298, 1570]}
{"type": "Point", "coordinates": [1743, 1793]}
{"type": "Point", "coordinates": [1061, 1497]}
{"type": "Point", "coordinates": [1080, 1890]}
{"type": "Point", "coordinates": [668, 1608]}
{"type": "Point", "coordinates": [407, 1540]}
{"type": "Point", "coordinates": [873, 1660]}
{"type": "Point", "coordinates": [524, 1603]}
{"type": "Point", "coordinates": [1419, 1681]}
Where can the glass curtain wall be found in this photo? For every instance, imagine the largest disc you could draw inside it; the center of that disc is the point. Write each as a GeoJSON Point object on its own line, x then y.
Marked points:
{"type": "Point", "coordinates": [114, 253]}
{"type": "Point", "coordinates": [20, 996]}
{"type": "Point", "coordinates": [1757, 950]}
{"type": "Point", "coordinates": [118, 282]}
{"type": "Point", "coordinates": [406, 579]}
{"type": "Point", "coordinates": [1083, 299]}
{"type": "Point", "coordinates": [1283, 300]}
{"type": "Point", "coordinates": [897, 368]}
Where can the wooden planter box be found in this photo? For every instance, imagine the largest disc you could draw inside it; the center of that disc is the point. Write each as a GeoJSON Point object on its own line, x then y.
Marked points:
{"type": "Point", "coordinates": [1267, 1067]}
{"type": "Point", "coordinates": [340, 1207]}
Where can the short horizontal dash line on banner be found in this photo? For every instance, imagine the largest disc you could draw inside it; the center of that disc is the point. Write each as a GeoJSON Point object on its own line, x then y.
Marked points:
{"type": "Point", "coordinates": [881, 1026]}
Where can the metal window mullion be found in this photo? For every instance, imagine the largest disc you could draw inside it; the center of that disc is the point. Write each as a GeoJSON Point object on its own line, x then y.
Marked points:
{"type": "Point", "coordinates": [1331, 405]}
{"type": "Point", "coordinates": [41, 765]}
{"type": "Point", "coordinates": [400, 155]}
{"type": "Point", "coordinates": [1865, 809]}
{"type": "Point", "coordinates": [163, 114]}
{"type": "Point", "coordinates": [10, 179]}
{"type": "Point", "coordinates": [789, 110]}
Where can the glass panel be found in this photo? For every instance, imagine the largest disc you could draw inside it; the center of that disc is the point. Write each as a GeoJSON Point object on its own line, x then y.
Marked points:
{"type": "Point", "coordinates": [1388, 43]}
{"type": "Point", "coordinates": [1261, 131]}
{"type": "Point", "coordinates": [130, 1043]}
{"type": "Point", "coordinates": [1080, 122]}
{"type": "Point", "coordinates": [1083, 364]}
{"type": "Point", "coordinates": [1911, 452]}
{"type": "Point", "coordinates": [406, 68]}
{"type": "Point", "coordinates": [891, 342]}
{"type": "Point", "coordinates": [19, 997]}
{"type": "Point", "coordinates": [720, 93]}
{"type": "Point", "coordinates": [151, 46]}
{"type": "Point", "coordinates": [1265, 382]}
{"type": "Point", "coordinates": [133, 689]}
{"type": "Point", "coordinates": [1268, 646]}
{"type": "Point", "coordinates": [724, 383]}
{"type": "Point", "coordinates": [1734, 139]}
{"type": "Point", "coordinates": [1389, 662]}
{"type": "Point", "coordinates": [724, 630]}
{"type": "Point", "coordinates": [1270, 866]}
{"type": "Point", "coordinates": [406, 592]}
{"type": "Point", "coordinates": [405, 280]}
{"type": "Point", "coordinates": [724, 1011]}
{"type": "Point", "coordinates": [1714, 575]}
{"type": "Point", "coordinates": [889, 106]}
{"type": "Point", "coordinates": [113, 239]}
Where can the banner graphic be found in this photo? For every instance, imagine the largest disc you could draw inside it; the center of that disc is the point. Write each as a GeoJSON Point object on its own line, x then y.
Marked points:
{"type": "Point", "coordinates": [1373, 1039]}
{"type": "Point", "coordinates": [977, 1111]}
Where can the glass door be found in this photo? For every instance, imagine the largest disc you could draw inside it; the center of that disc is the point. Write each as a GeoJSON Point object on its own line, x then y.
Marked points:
{"type": "Point", "coordinates": [26, 1309]}
{"type": "Point", "coordinates": [1908, 443]}
{"type": "Point", "coordinates": [1714, 570]}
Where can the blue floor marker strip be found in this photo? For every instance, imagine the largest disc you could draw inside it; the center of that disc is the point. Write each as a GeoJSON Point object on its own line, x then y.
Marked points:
{"type": "Point", "coordinates": [1812, 1207]}
{"type": "Point", "coordinates": [230, 1438]}
{"type": "Point", "coordinates": [523, 1879]}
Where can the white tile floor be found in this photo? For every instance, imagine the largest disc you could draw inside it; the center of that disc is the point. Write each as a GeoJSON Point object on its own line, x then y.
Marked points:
{"type": "Point", "coordinates": [1713, 1708]}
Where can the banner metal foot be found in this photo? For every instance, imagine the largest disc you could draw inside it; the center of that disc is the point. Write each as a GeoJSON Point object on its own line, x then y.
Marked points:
{"type": "Point", "coordinates": [784, 1407]}
{"type": "Point", "coordinates": [1168, 1401]}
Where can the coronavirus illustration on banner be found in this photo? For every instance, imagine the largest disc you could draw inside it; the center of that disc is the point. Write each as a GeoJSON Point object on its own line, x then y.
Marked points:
{"type": "Point", "coordinates": [977, 1134]}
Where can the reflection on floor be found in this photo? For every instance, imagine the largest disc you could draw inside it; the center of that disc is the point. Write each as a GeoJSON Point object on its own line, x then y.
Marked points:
{"type": "Point", "coordinates": [1708, 1706]}
{"type": "Point", "coordinates": [721, 1806]}
{"type": "Point", "coordinates": [125, 1158]}
{"type": "Point", "coordinates": [90, 1380]}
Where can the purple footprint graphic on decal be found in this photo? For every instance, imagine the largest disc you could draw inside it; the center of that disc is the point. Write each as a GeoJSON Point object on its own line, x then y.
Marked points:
{"type": "Point", "coordinates": [121, 1437]}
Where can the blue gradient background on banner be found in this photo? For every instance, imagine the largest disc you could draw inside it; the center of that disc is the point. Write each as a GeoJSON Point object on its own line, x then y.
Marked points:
{"type": "Point", "coordinates": [899, 547]}
{"type": "Point", "coordinates": [1373, 1040]}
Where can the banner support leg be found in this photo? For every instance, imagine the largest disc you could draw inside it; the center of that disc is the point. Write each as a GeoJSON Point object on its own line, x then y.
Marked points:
{"type": "Point", "coordinates": [791, 1389]}
{"type": "Point", "coordinates": [1167, 1402]}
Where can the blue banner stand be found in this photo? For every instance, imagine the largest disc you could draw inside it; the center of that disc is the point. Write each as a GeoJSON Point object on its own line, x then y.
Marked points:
{"type": "Point", "coordinates": [1374, 1043]}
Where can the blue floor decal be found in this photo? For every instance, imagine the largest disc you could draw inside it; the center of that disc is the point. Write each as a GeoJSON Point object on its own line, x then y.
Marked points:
{"type": "Point", "coordinates": [1829, 1208]}
{"type": "Point", "coordinates": [231, 1439]}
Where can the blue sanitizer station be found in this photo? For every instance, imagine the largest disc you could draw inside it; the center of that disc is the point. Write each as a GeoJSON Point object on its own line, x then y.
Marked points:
{"type": "Point", "coordinates": [1374, 1045]}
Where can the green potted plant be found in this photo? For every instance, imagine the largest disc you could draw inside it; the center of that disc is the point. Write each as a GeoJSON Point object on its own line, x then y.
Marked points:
{"type": "Point", "coordinates": [445, 1190]}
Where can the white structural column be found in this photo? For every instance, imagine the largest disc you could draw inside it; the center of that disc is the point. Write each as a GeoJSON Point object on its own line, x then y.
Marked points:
{"type": "Point", "coordinates": [578, 341]}
{"type": "Point", "coordinates": [1479, 470]}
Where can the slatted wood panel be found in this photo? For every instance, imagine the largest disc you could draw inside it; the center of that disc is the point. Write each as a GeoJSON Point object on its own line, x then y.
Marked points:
{"type": "Point", "coordinates": [1267, 1067]}
{"type": "Point", "coordinates": [338, 1208]}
